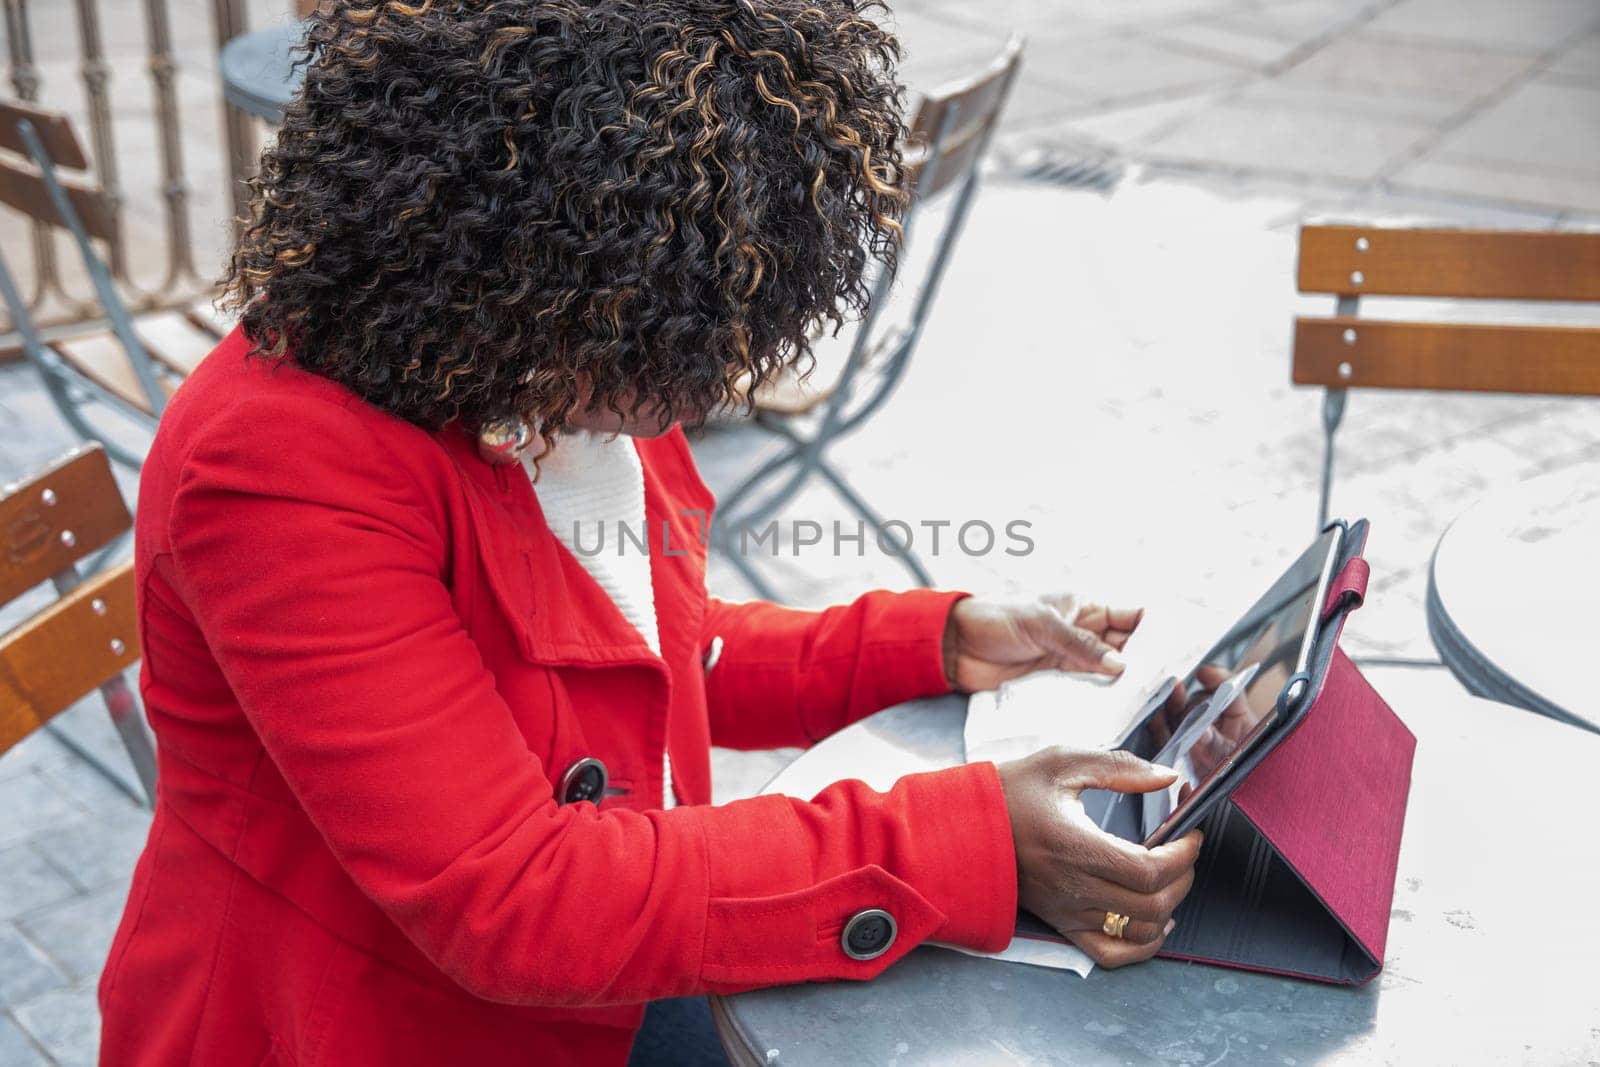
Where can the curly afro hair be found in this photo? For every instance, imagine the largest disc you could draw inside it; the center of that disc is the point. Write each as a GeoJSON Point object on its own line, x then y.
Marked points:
{"type": "Point", "coordinates": [473, 203]}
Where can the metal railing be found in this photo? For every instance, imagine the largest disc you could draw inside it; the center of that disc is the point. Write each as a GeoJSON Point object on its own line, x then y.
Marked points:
{"type": "Point", "coordinates": [147, 273]}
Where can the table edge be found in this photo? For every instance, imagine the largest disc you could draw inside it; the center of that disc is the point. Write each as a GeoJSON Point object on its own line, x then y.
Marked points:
{"type": "Point", "coordinates": [234, 93]}
{"type": "Point", "coordinates": [1480, 674]}
{"type": "Point", "coordinates": [735, 1042]}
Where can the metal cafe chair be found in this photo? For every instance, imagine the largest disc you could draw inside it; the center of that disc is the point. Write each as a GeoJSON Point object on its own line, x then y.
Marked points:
{"type": "Point", "coordinates": [88, 636]}
{"type": "Point", "coordinates": [134, 363]}
{"type": "Point", "coordinates": [810, 413]}
{"type": "Point", "coordinates": [1346, 352]}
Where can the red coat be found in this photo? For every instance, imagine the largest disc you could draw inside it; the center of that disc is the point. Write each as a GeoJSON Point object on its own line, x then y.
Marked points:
{"type": "Point", "coordinates": [367, 660]}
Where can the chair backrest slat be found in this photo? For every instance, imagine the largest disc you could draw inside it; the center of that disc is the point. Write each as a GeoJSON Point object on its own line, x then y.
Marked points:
{"type": "Point", "coordinates": [56, 517]}
{"type": "Point", "coordinates": [66, 652]}
{"type": "Point", "coordinates": [1352, 353]}
{"type": "Point", "coordinates": [974, 100]}
{"type": "Point", "coordinates": [963, 114]}
{"type": "Point", "coordinates": [23, 188]}
{"type": "Point", "coordinates": [54, 129]}
{"type": "Point", "coordinates": [1466, 264]}
{"type": "Point", "coordinates": [956, 157]}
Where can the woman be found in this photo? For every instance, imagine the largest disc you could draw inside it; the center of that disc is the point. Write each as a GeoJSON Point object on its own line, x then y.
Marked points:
{"type": "Point", "coordinates": [434, 786]}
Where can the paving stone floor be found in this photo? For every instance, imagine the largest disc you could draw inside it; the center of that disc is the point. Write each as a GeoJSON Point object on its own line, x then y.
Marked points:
{"type": "Point", "coordinates": [1110, 367]}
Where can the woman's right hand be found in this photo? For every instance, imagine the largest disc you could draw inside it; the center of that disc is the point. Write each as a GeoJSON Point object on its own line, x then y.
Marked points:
{"type": "Point", "coordinates": [1070, 873]}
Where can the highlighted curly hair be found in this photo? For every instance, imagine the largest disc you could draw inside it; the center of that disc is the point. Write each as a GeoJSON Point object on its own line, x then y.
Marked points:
{"type": "Point", "coordinates": [472, 203]}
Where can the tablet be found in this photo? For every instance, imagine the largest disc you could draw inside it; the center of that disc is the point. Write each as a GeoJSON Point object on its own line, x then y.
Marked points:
{"type": "Point", "coordinates": [1230, 703]}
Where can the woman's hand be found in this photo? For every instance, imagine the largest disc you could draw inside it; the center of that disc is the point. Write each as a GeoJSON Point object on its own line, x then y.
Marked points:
{"type": "Point", "coordinates": [1070, 873]}
{"type": "Point", "coordinates": [986, 643]}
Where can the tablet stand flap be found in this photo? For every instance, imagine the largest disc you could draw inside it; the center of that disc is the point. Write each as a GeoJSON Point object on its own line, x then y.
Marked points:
{"type": "Point", "coordinates": [1249, 909]}
{"type": "Point", "coordinates": [1331, 800]}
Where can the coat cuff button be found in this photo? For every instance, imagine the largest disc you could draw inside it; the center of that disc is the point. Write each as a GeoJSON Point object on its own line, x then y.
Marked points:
{"type": "Point", "coordinates": [868, 934]}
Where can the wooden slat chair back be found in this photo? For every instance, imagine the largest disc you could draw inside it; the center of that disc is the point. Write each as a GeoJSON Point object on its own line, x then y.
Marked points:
{"type": "Point", "coordinates": [951, 124]}
{"type": "Point", "coordinates": [22, 184]}
{"type": "Point", "coordinates": [86, 638]}
{"type": "Point", "coordinates": [1348, 352]}
{"type": "Point", "coordinates": [947, 139]}
{"type": "Point", "coordinates": [133, 364]}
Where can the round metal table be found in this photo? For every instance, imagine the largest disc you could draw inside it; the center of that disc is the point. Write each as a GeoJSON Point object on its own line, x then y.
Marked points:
{"type": "Point", "coordinates": [258, 71]}
{"type": "Point", "coordinates": [1492, 945]}
{"type": "Point", "coordinates": [1514, 596]}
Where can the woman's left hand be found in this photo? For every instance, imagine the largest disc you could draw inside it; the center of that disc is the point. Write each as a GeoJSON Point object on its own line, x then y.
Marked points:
{"type": "Point", "coordinates": [986, 643]}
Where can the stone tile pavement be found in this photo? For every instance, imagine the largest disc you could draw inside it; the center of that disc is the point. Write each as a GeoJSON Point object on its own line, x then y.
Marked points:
{"type": "Point", "coordinates": [1112, 368]}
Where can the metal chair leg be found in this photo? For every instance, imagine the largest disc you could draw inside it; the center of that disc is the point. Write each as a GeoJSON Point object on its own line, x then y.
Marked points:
{"type": "Point", "coordinates": [733, 521]}
{"type": "Point", "coordinates": [71, 412]}
{"type": "Point", "coordinates": [808, 458]}
{"type": "Point", "coordinates": [730, 503]}
{"type": "Point", "coordinates": [118, 780]}
{"type": "Point", "coordinates": [752, 576]}
{"type": "Point", "coordinates": [124, 710]}
{"type": "Point", "coordinates": [908, 558]}
{"type": "Point", "coordinates": [1332, 412]}
{"type": "Point", "coordinates": [801, 455]}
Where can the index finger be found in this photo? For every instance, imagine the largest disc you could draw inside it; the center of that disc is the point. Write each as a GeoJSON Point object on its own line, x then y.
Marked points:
{"type": "Point", "coordinates": [1072, 647]}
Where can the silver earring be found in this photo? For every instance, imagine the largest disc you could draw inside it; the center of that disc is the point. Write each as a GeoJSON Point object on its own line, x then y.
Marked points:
{"type": "Point", "coordinates": [503, 440]}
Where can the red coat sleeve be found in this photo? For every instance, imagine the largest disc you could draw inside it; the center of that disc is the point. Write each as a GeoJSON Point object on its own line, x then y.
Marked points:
{"type": "Point", "coordinates": [782, 676]}
{"type": "Point", "coordinates": [312, 558]}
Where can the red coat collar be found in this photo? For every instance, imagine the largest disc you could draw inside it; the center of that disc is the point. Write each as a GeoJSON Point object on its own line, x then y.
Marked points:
{"type": "Point", "coordinates": [562, 615]}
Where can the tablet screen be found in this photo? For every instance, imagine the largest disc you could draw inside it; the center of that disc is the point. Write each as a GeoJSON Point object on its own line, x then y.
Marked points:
{"type": "Point", "coordinates": [1201, 722]}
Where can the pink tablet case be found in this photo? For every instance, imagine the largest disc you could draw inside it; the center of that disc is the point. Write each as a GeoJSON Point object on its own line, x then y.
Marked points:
{"type": "Point", "coordinates": [1298, 869]}
{"type": "Point", "coordinates": [1297, 874]}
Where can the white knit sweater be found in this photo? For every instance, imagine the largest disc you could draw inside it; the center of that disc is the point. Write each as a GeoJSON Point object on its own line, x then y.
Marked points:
{"type": "Point", "coordinates": [589, 487]}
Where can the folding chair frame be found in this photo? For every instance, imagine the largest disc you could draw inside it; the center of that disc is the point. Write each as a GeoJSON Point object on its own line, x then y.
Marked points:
{"type": "Point", "coordinates": [805, 453]}
{"type": "Point", "coordinates": [61, 380]}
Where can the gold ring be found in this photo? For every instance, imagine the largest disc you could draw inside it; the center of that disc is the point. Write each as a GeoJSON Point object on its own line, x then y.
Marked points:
{"type": "Point", "coordinates": [1114, 924]}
